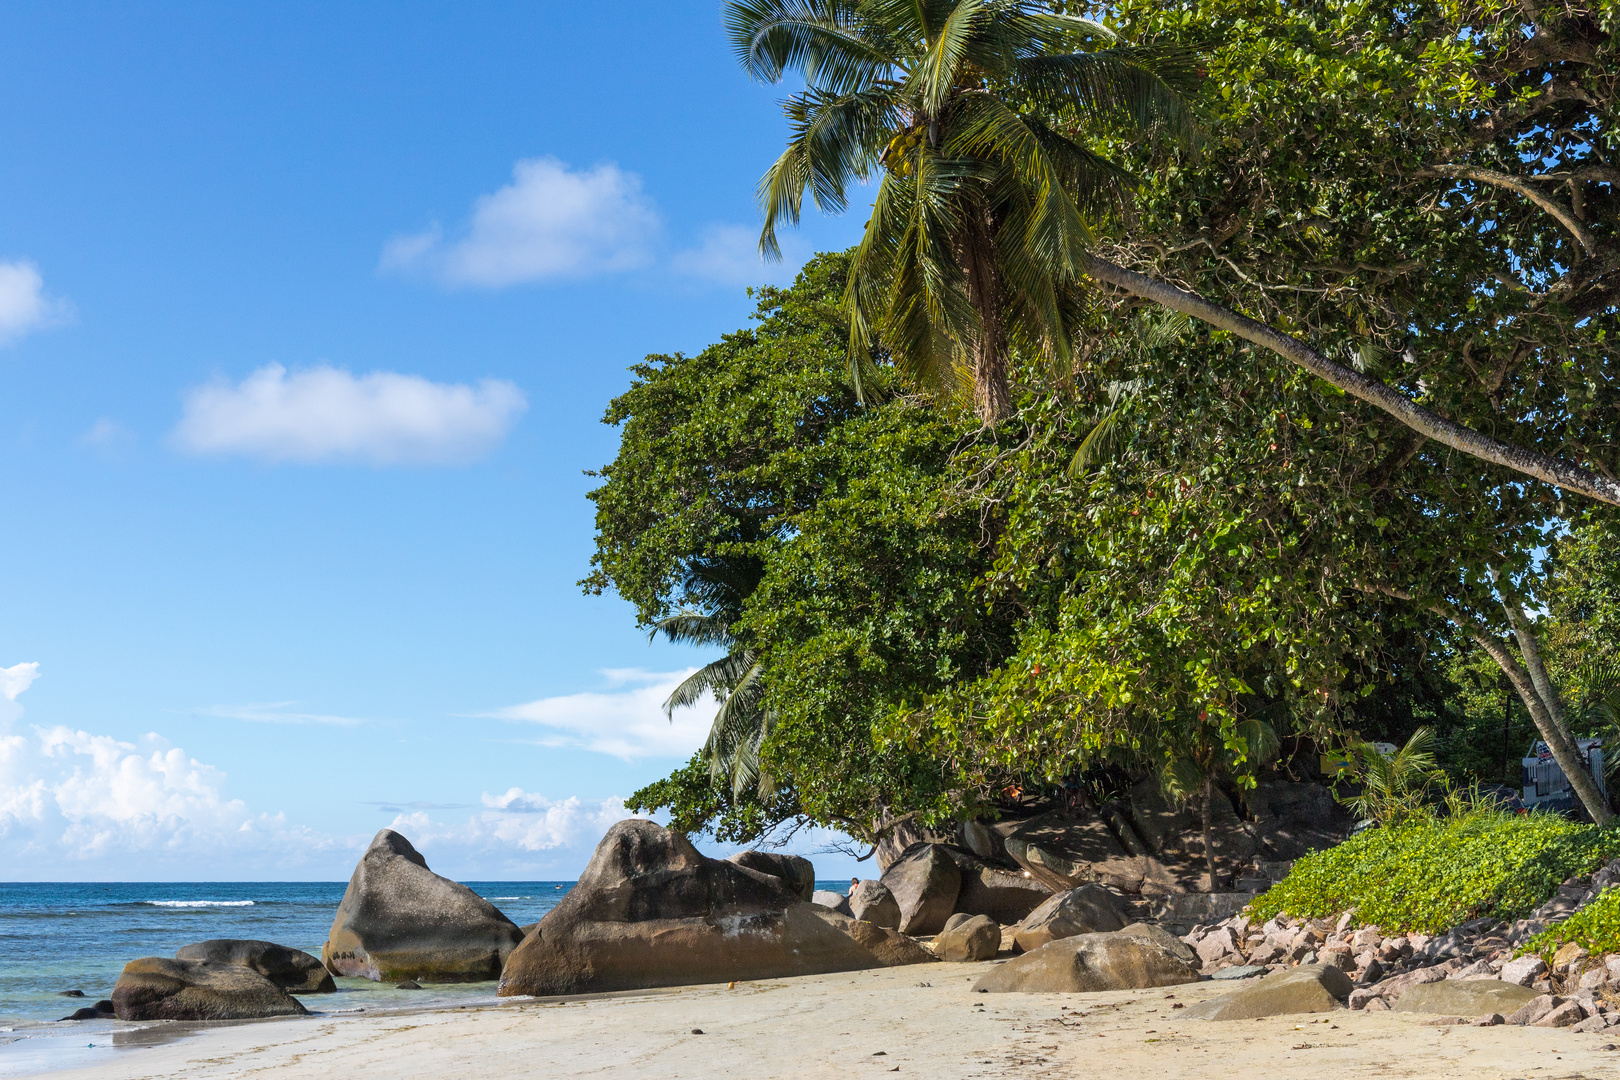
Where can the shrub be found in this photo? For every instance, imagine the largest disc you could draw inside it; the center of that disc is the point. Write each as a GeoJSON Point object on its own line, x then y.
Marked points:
{"type": "Point", "coordinates": [1596, 927]}
{"type": "Point", "coordinates": [1428, 876]}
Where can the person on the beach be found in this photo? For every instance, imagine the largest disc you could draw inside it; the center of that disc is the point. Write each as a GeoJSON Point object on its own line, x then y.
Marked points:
{"type": "Point", "coordinates": [854, 881]}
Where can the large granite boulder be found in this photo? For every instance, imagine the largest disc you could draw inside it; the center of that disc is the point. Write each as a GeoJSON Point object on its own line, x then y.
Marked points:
{"type": "Point", "coordinates": [399, 920]}
{"type": "Point", "coordinates": [1309, 988]}
{"type": "Point", "coordinates": [291, 969]}
{"type": "Point", "coordinates": [1004, 895]}
{"type": "Point", "coordinates": [1064, 851]}
{"type": "Point", "coordinates": [1090, 909]}
{"type": "Point", "coordinates": [157, 988]}
{"type": "Point", "coordinates": [1294, 819]}
{"type": "Point", "coordinates": [797, 871]}
{"type": "Point", "coordinates": [871, 901]}
{"type": "Point", "coordinates": [1466, 997]}
{"type": "Point", "coordinates": [650, 910]}
{"type": "Point", "coordinates": [968, 937]}
{"type": "Point", "coordinates": [925, 882]}
{"type": "Point", "coordinates": [1135, 958]}
{"type": "Point", "coordinates": [836, 901]}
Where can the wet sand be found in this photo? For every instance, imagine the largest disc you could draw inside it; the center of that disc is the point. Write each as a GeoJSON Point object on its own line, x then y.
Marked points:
{"type": "Point", "coordinates": [920, 1020]}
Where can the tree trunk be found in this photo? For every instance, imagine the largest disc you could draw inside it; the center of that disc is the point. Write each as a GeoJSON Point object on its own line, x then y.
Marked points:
{"type": "Point", "coordinates": [1209, 839]}
{"type": "Point", "coordinates": [1530, 649]}
{"type": "Point", "coordinates": [1372, 391]}
{"type": "Point", "coordinates": [1580, 778]}
{"type": "Point", "coordinates": [992, 396]}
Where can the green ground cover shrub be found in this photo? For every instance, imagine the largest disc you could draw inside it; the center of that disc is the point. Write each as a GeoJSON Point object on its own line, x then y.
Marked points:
{"type": "Point", "coordinates": [1428, 876]}
{"type": "Point", "coordinates": [1596, 927]}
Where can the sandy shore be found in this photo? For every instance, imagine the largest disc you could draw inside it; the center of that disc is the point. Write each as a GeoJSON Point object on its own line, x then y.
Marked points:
{"type": "Point", "coordinates": [916, 1020]}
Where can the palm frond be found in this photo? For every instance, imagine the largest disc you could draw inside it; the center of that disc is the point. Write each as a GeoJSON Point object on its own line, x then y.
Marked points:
{"type": "Point", "coordinates": [1140, 82]}
{"type": "Point", "coordinates": [824, 40]}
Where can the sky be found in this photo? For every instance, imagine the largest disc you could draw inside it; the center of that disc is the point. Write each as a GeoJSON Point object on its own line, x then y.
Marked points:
{"type": "Point", "coordinates": [309, 313]}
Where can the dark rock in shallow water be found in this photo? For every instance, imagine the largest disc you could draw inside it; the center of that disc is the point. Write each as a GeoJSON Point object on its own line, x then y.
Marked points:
{"type": "Point", "coordinates": [409, 984]}
{"type": "Point", "coordinates": [290, 969]}
{"type": "Point", "coordinates": [82, 1014]}
{"type": "Point", "coordinates": [105, 1007]}
{"type": "Point", "coordinates": [650, 910]}
{"type": "Point", "coordinates": [70, 993]}
{"type": "Point", "coordinates": [399, 920]}
{"type": "Point", "coordinates": [155, 988]}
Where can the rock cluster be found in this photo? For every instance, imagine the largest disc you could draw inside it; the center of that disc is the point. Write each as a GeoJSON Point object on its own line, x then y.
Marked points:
{"type": "Point", "coordinates": [1468, 973]}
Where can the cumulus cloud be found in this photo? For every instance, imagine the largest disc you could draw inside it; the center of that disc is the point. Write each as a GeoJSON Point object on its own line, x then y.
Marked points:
{"type": "Point", "coordinates": [626, 721]}
{"type": "Point", "coordinates": [24, 307]}
{"type": "Point", "coordinates": [518, 820]}
{"type": "Point", "coordinates": [550, 222]}
{"type": "Point", "coordinates": [324, 414]}
{"type": "Point", "coordinates": [13, 681]}
{"type": "Point", "coordinates": [729, 255]}
{"type": "Point", "coordinates": [71, 796]}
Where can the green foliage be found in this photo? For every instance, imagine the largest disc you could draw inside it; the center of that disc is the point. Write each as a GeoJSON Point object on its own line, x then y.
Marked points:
{"type": "Point", "coordinates": [1596, 928]}
{"type": "Point", "coordinates": [1397, 788]}
{"type": "Point", "coordinates": [1429, 876]}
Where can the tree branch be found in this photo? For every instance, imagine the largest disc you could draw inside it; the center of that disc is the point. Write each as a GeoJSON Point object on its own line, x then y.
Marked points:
{"type": "Point", "coordinates": [1458, 437]}
{"type": "Point", "coordinates": [1562, 213]}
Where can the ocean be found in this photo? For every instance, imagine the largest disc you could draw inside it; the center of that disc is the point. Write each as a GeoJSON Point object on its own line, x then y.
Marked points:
{"type": "Point", "coordinates": [60, 937]}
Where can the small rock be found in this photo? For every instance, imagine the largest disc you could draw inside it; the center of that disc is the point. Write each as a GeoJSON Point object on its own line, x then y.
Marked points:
{"type": "Point", "coordinates": [1523, 971]}
{"type": "Point", "coordinates": [1592, 1023]}
{"type": "Point", "coordinates": [1338, 956]}
{"type": "Point", "coordinates": [1591, 980]}
{"type": "Point", "coordinates": [1367, 937]}
{"type": "Point", "coordinates": [1267, 953]}
{"type": "Point", "coordinates": [1489, 1020]}
{"type": "Point", "coordinates": [409, 984]}
{"type": "Point", "coordinates": [1372, 972]}
{"type": "Point", "coordinates": [1444, 1021]}
{"type": "Point", "coordinates": [1344, 921]}
{"type": "Point", "coordinates": [1240, 971]}
{"type": "Point", "coordinates": [1568, 1014]}
{"type": "Point", "coordinates": [1534, 1009]}
{"type": "Point", "coordinates": [697, 1031]}
{"type": "Point", "coordinates": [1568, 954]}
{"type": "Point", "coordinates": [70, 993]}
{"type": "Point", "coordinates": [1377, 1004]}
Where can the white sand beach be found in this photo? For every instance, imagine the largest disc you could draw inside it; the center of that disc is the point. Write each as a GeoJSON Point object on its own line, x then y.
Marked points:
{"type": "Point", "coordinates": [920, 1021]}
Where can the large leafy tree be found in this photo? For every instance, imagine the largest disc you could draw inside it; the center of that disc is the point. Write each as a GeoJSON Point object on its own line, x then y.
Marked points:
{"type": "Point", "coordinates": [972, 114]}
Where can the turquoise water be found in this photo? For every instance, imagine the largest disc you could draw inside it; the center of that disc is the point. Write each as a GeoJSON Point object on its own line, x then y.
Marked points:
{"type": "Point", "coordinates": [56, 937]}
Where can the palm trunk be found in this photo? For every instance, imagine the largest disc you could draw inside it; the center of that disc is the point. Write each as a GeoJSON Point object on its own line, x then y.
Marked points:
{"type": "Point", "coordinates": [992, 396]}
{"type": "Point", "coordinates": [1563, 752]}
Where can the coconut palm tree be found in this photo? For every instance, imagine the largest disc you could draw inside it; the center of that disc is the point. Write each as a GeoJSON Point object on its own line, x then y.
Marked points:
{"type": "Point", "coordinates": [736, 680]}
{"type": "Point", "coordinates": [974, 113]}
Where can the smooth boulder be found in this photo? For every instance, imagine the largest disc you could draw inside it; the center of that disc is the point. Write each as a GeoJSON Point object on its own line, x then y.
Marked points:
{"type": "Point", "coordinates": [925, 882]}
{"type": "Point", "coordinates": [1309, 988]}
{"type": "Point", "coordinates": [796, 870]}
{"type": "Point", "coordinates": [871, 901]}
{"type": "Point", "coordinates": [157, 988]}
{"type": "Point", "coordinates": [291, 969]}
{"type": "Point", "coordinates": [1135, 958]}
{"type": "Point", "coordinates": [1466, 997]}
{"type": "Point", "coordinates": [968, 937]}
{"type": "Point", "coordinates": [835, 901]}
{"type": "Point", "coordinates": [650, 910]}
{"type": "Point", "coordinates": [399, 920]}
{"type": "Point", "coordinates": [1090, 909]}
{"type": "Point", "coordinates": [1004, 895]}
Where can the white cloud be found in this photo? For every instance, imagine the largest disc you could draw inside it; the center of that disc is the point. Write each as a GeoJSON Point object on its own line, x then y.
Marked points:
{"type": "Point", "coordinates": [328, 414]}
{"type": "Point", "coordinates": [627, 723]}
{"type": "Point", "coordinates": [13, 681]}
{"type": "Point", "coordinates": [729, 254]}
{"type": "Point", "coordinates": [276, 712]}
{"type": "Point", "coordinates": [518, 820]}
{"type": "Point", "coordinates": [24, 307]}
{"type": "Point", "coordinates": [549, 222]}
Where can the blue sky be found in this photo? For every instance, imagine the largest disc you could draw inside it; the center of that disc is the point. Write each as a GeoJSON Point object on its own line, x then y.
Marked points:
{"type": "Point", "coordinates": [308, 317]}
